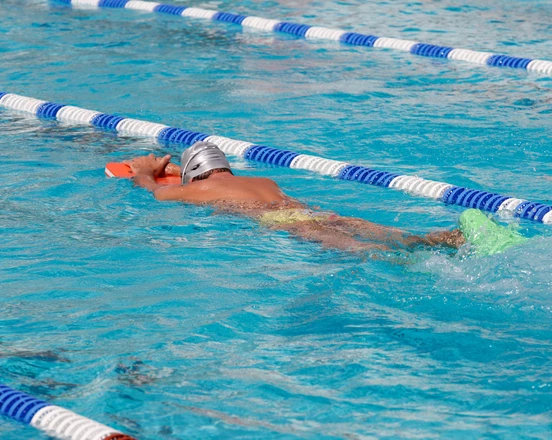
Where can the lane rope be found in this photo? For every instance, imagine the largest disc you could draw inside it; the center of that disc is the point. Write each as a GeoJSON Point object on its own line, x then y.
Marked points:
{"type": "Point", "coordinates": [53, 420]}
{"type": "Point", "coordinates": [441, 191]}
{"type": "Point", "coordinates": [314, 32]}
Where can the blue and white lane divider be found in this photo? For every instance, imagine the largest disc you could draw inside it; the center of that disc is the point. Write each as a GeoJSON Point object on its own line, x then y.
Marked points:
{"type": "Point", "coordinates": [314, 32]}
{"type": "Point", "coordinates": [55, 421]}
{"type": "Point", "coordinates": [444, 192]}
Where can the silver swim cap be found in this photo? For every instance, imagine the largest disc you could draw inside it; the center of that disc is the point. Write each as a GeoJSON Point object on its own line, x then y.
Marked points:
{"type": "Point", "coordinates": [200, 158]}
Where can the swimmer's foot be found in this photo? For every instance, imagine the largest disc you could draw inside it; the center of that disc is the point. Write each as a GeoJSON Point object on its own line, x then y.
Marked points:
{"type": "Point", "coordinates": [485, 235]}
{"type": "Point", "coordinates": [453, 239]}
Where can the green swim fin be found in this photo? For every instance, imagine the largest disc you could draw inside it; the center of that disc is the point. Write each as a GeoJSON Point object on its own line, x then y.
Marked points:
{"type": "Point", "coordinates": [486, 235]}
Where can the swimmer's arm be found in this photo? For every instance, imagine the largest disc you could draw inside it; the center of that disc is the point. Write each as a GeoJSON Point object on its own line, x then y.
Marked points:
{"type": "Point", "coordinates": [183, 193]}
{"type": "Point", "coordinates": [147, 168]}
{"type": "Point", "coordinates": [190, 193]}
{"type": "Point", "coordinates": [147, 181]}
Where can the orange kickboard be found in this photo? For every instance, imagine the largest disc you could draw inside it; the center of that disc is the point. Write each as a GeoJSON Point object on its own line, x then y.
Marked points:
{"type": "Point", "coordinates": [119, 169]}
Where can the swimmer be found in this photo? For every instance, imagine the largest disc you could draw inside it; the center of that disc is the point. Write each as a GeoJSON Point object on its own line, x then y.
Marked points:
{"type": "Point", "coordinates": [207, 179]}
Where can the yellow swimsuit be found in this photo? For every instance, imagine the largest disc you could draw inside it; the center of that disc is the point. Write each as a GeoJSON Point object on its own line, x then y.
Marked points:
{"type": "Point", "coordinates": [294, 215]}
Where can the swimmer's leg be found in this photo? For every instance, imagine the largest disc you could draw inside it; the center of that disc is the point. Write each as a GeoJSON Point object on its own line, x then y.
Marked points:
{"type": "Point", "coordinates": [390, 235]}
{"type": "Point", "coordinates": [366, 229]}
{"type": "Point", "coordinates": [328, 237]}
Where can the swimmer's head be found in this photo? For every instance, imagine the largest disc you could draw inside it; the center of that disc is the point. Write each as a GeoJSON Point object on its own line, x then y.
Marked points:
{"type": "Point", "coordinates": [201, 158]}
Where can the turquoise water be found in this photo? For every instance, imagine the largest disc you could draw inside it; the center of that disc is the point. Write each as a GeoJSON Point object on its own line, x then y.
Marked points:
{"type": "Point", "coordinates": [170, 322]}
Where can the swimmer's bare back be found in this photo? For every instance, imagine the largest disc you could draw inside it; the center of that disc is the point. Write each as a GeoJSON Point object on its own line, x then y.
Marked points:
{"type": "Point", "coordinates": [226, 187]}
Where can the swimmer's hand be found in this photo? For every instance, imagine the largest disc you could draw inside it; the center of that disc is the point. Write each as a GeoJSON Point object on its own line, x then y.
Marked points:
{"type": "Point", "coordinates": [172, 169]}
{"type": "Point", "coordinates": [148, 165]}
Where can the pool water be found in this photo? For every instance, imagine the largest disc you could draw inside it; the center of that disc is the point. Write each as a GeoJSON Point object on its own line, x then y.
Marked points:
{"type": "Point", "coordinates": [169, 321]}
